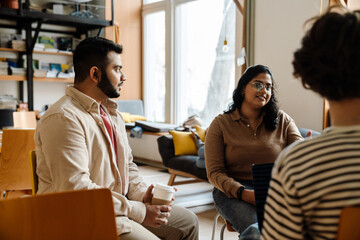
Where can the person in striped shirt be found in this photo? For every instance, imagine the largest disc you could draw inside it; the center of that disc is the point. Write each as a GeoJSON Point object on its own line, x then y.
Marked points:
{"type": "Point", "coordinates": [313, 180]}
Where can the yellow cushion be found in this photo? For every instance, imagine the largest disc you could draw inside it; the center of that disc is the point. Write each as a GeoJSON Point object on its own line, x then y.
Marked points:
{"type": "Point", "coordinates": [134, 118]}
{"type": "Point", "coordinates": [201, 132]}
{"type": "Point", "coordinates": [183, 143]}
{"type": "Point", "coordinates": [126, 116]}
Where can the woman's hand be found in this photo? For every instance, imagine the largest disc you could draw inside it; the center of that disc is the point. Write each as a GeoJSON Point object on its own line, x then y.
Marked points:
{"type": "Point", "coordinates": [248, 195]}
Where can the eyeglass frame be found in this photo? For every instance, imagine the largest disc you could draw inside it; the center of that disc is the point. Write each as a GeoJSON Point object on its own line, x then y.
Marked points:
{"type": "Point", "coordinates": [268, 88]}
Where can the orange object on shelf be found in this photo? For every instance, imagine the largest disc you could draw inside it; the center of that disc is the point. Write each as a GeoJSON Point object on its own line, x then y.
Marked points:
{"type": "Point", "coordinates": [10, 4]}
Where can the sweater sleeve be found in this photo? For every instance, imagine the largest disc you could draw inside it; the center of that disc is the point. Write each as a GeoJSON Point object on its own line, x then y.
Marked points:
{"type": "Point", "coordinates": [292, 130]}
{"type": "Point", "coordinates": [215, 161]}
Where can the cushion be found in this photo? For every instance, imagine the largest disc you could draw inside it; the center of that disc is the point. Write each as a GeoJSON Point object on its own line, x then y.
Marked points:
{"type": "Point", "coordinates": [183, 143]}
{"type": "Point", "coordinates": [201, 132]}
{"type": "Point", "coordinates": [126, 116]}
{"type": "Point", "coordinates": [134, 118]}
{"type": "Point", "coordinates": [129, 118]}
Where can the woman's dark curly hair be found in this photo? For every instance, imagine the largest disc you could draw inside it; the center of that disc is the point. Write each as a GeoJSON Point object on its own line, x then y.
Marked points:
{"type": "Point", "coordinates": [328, 61]}
{"type": "Point", "coordinates": [271, 108]}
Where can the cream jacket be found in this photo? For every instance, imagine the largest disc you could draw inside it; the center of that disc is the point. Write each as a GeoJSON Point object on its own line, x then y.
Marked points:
{"type": "Point", "coordinates": [74, 151]}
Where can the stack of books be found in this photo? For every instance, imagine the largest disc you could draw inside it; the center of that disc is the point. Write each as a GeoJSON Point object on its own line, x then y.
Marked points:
{"type": "Point", "coordinates": [18, 44]}
{"type": "Point", "coordinates": [18, 71]}
{"type": "Point", "coordinates": [39, 47]}
{"type": "Point", "coordinates": [39, 73]}
{"type": "Point", "coordinates": [3, 68]}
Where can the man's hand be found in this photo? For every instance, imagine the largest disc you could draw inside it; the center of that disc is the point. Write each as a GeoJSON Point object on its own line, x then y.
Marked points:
{"type": "Point", "coordinates": [156, 215]}
{"type": "Point", "coordinates": [248, 195]}
{"type": "Point", "coordinates": [148, 195]}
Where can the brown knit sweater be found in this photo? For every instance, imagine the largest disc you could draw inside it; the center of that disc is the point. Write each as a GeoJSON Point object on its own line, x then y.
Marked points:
{"type": "Point", "coordinates": [231, 147]}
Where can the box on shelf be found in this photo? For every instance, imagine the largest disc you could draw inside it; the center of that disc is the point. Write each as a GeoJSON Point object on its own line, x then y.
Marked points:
{"type": "Point", "coordinates": [47, 41]}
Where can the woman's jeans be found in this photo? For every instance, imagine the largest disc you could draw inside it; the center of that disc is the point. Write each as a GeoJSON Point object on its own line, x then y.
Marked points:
{"type": "Point", "coordinates": [240, 214]}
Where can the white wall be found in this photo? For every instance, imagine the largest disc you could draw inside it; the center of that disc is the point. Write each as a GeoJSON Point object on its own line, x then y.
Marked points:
{"type": "Point", "coordinates": [44, 92]}
{"type": "Point", "coordinates": [279, 27]}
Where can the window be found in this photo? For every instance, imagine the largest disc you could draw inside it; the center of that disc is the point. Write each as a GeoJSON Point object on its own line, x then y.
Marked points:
{"type": "Point", "coordinates": [186, 71]}
{"type": "Point", "coordinates": [154, 70]}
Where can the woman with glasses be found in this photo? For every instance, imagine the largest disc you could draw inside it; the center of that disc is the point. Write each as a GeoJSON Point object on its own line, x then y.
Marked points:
{"type": "Point", "coordinates": [253, 130]}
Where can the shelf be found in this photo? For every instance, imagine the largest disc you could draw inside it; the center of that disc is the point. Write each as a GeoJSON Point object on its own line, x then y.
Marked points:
{"type": "Point", "coordinates": [59, 80]}
{"type": "Point", "coordinates": [12, 78]}
{"type": "Point", "coordinates": [36, 79]}
{"type": "Point", "coordinates": [37, 52]}
{"type": "Point", "coordinates": [24, 19]}
{"type": "Point", "coordinates": [54, 53]}
{"type": "Point", "coordinates": [11, 50]}
{"type": "Point", "coordinates": [82, 24]}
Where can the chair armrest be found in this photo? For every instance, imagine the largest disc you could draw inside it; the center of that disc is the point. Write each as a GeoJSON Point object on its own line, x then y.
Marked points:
{"type": "Point", "coordinates": [166, 148]}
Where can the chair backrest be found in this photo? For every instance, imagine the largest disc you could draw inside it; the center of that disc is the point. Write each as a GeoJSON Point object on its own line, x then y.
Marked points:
{"type": "Point", "coordinates": [84, 214]}
{"type": "Point", "coordinates": [34, 176]}
{"type": "Point", "coordinates": [15, 173]}
{"type": "Point", "coordinates": [24, 119]}
{"type": "Point", "coordinates": [349, 223]}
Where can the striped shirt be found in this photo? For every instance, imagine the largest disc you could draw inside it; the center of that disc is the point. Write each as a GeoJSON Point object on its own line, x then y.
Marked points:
{"type": "Point", "coordinates": [311, 182]}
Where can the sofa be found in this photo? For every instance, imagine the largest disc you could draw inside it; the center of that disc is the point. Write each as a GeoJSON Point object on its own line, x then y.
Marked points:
{"type": "Point", "coordinates": [185, 165]}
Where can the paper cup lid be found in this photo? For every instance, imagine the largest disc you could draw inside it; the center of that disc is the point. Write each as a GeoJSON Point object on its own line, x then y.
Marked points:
{"type": "Point", "coordinates": [165, 187]}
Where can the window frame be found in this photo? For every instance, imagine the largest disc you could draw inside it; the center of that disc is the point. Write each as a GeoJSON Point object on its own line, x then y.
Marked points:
{"type": "Point", "coordinates": [171, 73]}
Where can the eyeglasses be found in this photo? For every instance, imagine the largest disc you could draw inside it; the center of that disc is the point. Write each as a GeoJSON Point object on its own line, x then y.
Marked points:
{"type": "Point", "coordinates": [258, 86]}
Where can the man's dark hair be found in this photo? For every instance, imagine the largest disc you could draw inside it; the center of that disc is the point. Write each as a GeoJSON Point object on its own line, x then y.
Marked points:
{"type": "Point", "coordinates": [271, 108]}
{"type": "Point", "coordinates": [92, 52]}
{"type": "Point", "coordinates": [328, 61]}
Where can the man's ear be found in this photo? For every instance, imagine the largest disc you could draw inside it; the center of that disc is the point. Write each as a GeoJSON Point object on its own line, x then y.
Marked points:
{"type": "Point", "coordinates": [95, 74]}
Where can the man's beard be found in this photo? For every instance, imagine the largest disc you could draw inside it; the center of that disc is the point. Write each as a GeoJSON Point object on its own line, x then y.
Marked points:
{"type": "Point", "coordinates": [105, 86]}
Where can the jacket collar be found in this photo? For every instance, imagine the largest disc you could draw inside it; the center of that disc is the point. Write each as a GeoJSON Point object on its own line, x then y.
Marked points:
{"type": "Point", "coordinates": [88, 103]}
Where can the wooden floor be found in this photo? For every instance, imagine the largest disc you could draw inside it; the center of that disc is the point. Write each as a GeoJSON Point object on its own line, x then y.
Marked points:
{"type": "Point", "coordinates": [196, 197]}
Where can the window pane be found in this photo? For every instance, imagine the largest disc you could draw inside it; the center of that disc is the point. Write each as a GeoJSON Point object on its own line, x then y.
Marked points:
{"type": "Point", "coordinates": [204, 72]}
{"type": "Point", "coordinates": [154, 71]}
{"type": "Point", "coordinates": [150, 1]}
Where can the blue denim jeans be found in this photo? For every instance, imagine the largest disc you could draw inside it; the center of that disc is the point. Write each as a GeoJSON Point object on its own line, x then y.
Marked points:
{"type": "Point", "coordinates": [240, 214]}
{"type": "Point", "coordinates": [200, 162]}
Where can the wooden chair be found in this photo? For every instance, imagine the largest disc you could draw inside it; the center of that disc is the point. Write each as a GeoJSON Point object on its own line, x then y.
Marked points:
{"type": "Point", "coordinates": [85, 214]}
{"type": "Point", "coordinates": [24, 119]}
{"type": "Point", "coordinates": [34, 176]}
{"type": "Point", "coordinates": [349, 224]}
{"type": "Point", "coordinates": [15, 173]}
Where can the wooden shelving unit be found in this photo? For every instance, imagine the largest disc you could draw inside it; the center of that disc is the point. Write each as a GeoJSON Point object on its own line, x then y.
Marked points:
{"type": "Point", "coordinates": [35, 79]}
{"type": "Point", "coordinates": [38, 52]}
{"type": "Point", "coordinates": [23, 18]}
{"type": "Point", "coordinates": [12, 78]}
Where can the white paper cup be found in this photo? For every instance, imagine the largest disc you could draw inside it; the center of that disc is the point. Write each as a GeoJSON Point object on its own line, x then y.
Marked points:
{"type": "Point", "coordinates": [162, 194]}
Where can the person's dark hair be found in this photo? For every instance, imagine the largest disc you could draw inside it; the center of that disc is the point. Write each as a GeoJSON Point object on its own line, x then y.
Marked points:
{"type": "Point", "coordinates": [271, 108]}
{"type": "Point", "coordinates": [328, 61]}
{"type": "Point", "coordinates": [92, 52]}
